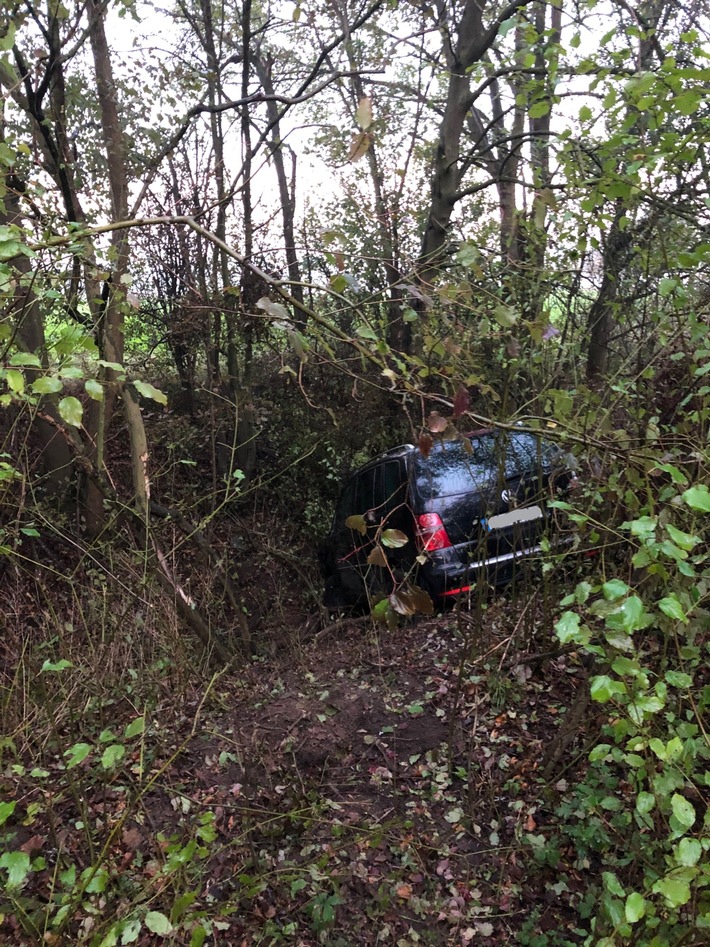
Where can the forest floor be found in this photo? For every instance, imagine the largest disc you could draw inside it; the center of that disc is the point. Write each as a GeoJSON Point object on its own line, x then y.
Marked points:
{"type": "Point", "coordinates": [377, 787]}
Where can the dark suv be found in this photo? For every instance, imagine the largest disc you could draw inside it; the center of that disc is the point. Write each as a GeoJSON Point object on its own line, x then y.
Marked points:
{"type": "Point", "coordinates": [441, 516]}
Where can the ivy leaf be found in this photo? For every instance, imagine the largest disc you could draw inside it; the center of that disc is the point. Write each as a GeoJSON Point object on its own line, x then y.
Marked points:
{"type": "Point", "coordinates": [71, 410]}
{"type": "Point", "coordinates": [17, 866]}
{"type": "Point", "coordinates": [158, 923]}
{"type": "Point", "coordinates": [394, 538]}
{"type": "Point", "coordinates": [148, 391]}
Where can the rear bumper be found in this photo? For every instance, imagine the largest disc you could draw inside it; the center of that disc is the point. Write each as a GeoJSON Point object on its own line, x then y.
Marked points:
{"type": "Point", "coordinates": [448, 579]}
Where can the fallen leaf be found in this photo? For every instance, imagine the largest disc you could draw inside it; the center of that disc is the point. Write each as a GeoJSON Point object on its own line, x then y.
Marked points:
{"type": "Point", "coordinates": [132, 838]}
{"type": "Point", "coordinates": [404, 891]}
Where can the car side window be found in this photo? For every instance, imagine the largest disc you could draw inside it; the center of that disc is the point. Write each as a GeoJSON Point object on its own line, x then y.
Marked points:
{"type": "Point", "coordinates": [365, 492]}
{"type": "Point", "coordinates": [346, 504]}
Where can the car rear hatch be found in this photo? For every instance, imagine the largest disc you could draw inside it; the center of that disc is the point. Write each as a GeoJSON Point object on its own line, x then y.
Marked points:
{"type": "Point", "coordinates": [489, 493]}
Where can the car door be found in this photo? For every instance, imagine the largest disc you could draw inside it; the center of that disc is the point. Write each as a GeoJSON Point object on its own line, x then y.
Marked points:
{"type": "Point", "coordinates": [350, 547]}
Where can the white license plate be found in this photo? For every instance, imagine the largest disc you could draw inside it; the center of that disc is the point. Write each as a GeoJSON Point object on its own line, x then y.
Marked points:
{"type": "Point", "coordinates": [522, 515]}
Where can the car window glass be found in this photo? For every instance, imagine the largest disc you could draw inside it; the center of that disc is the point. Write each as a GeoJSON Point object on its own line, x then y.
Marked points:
{"type": "Point", "coordinates": [450, 469]}
{"type": "Point", "coordinates": [365, 491]}
{"type": "Point", "coordinates": [393, 486]}
{"type": "Point", "coordinates": [346, 503]}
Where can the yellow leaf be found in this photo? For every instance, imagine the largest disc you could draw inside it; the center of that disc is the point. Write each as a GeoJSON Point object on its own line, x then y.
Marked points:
{"type": "Point", "coordinates": [359, 145]}
{"type": "Point", "coordinates": [363, 113]}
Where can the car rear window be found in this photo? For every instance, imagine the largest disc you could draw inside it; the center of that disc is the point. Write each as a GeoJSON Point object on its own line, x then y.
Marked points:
{"type": "Point", "coordinates": [450, 469]}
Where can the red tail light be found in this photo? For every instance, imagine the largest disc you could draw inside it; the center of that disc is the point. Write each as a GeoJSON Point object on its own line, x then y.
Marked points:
{"type": "Point", "coordinates": [431, 533]}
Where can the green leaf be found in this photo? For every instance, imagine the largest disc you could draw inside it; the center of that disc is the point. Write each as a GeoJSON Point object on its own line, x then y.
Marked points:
{"type": "Point", "coordinates": [98, 879]}
{"type": "Point", "coordinates": [599, 752]}
{"type": "Point", "coordinates": [635, 907]}
{"type": "Point", "coordinates": [505, 316]}
{"type": "Point", "coordinates": [15, 380]}
{"type": "Point", "coordinates": [94, 389]}
{"type": "Point", "coordinates": [26, 358]}
{"type": "Point", "coordinates": [6, 810]}
{"type": "Point", "coordinates": [77, 754]}
{"type": "Point", "coordinates": [682, 810]}
{"type": "Point", "coordinates": [17, 866]}
{"type": "Point", "coordinates": [148, 391]}
{"type": "Point", "coordinates": [112, 755]}
{"type": "Point", "coordinates": [394, 538]}
{"type": "Point", "coordinates": [61, 665]}
{"type": "Point", "coordinates": [134, 728]}
{"type": "Point", "coordinates": [678, 679]}
{"type": "Point", "coordinates": [698, 498]}
{"type": "Point", "coordinates": [10, 246]}
{"type": "Point", "coordinates": [676, 891]}
{"type": "Point", "coordinates": [47, 385]}
{"type": "Point", "coordinates": [199, 936]}
{"type": "Point", "coordinates": [603, 688]}
{"type": "Point", "coordinates": [130, 931]}
{"type": "Point", "coordinates": [614, 589]}
{"type": "Point", "coordinates": [671, 606]}
{"type": "Point", "coordinates": [684, 540]}
{"type": "Point", "coordinates": [688, 852]}
{"type": "Point", "coordinates": [158, 923]}
{"type": "Point", "coordinates": [8, 40]}
{"type": "Point", "coordinates": [365, 332]}
{"type": "Point", "coordinates": [112, 366]}
{"type": "Point", "coordinates": [298, 885]}
{"type": "Point", "coordinates": [613, 884]}
{"type": "Point", "coordinates": [539, 109]}
{"type": "Point", "coordinates": [71, 410]}
{"type": "Point", "coordinates": [630, 616]}
{"type": "Point", "coordinates": [567, 627]}
{"type": "Point", "coordinates": [645, 802]}
{"type": "Point", "coordinates": [643, 527]}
